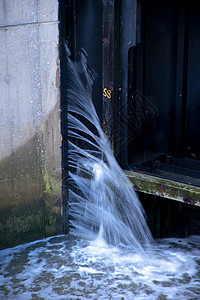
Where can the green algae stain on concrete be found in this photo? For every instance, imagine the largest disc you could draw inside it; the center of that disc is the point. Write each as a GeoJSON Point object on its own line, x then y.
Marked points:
{"type": "Point", "coordinates": [48, 184]}
{"type": "Point", "coordinates": [50, 159]}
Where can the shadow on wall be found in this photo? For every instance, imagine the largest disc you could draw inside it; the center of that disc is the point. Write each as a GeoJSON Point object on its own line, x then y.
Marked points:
{"type": "Point", "coordinates": [30, 181]}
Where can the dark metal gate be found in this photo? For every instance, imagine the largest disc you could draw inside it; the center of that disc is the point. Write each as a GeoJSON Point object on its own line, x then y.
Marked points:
{"type": "Point", "coordinates": [146, 57]}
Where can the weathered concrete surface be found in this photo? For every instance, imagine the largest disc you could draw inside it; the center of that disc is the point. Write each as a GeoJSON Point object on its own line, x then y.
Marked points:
{"type": "Point", "coordinates": [30, 158]}
{"type": "Point", "coordinates": [14, 12]}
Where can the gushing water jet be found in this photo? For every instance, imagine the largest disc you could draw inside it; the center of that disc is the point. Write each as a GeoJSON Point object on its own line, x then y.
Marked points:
{"type": "Point", "coordinates": [101, 197]}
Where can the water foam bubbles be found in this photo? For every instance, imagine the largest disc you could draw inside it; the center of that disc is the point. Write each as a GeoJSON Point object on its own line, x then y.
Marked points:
{"type": "Point", "coordinates": [69, 268]}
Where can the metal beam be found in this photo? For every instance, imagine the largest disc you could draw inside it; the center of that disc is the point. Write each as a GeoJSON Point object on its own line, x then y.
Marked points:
{"type": "Point", "coordinates": [165, 188]}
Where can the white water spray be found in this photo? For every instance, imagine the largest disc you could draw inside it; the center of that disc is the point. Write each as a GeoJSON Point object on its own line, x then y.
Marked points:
{"type": "Point", "coordinates": [100, 197]}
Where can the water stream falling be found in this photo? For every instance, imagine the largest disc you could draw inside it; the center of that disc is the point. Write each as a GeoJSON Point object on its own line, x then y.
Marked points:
{"type": "Point", "coordinates": [101, 197]}
{"type": "Point", "coordinates": [116, 258]}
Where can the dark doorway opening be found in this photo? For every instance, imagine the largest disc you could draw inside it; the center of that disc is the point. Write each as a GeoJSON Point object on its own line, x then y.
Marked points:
{"type": "Point", "coordinates": [155, 92]}
{"type": "Point", "coordinates": [164, 91]}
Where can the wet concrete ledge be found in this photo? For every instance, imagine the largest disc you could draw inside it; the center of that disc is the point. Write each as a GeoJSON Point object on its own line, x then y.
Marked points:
{"type": "Point", "coordinates": [164, 188]}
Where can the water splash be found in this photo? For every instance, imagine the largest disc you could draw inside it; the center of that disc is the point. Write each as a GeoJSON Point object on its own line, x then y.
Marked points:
{"type": "Point", "coordinates": [68, 267]}
{"type": "Point", "coordinates": [101, 196]}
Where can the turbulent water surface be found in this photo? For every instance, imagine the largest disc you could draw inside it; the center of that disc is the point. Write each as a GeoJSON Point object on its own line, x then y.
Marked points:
{"type": "Point", "coordinates": [69, 268]}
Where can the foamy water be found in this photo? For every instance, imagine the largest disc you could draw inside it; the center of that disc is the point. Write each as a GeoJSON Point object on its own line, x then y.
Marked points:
{"type": "Point", "coordinates": [69, 268]}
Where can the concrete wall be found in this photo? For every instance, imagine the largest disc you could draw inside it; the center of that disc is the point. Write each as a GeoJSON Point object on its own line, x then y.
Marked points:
{"type": "Point", "coordinates": [30, 154]}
